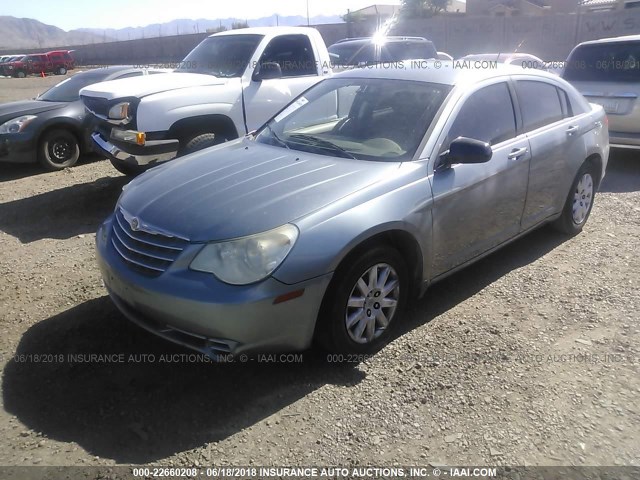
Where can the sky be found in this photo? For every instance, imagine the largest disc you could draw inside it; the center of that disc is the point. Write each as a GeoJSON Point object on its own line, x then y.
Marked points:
{"type": "Point", "coordinates": [71, 14]}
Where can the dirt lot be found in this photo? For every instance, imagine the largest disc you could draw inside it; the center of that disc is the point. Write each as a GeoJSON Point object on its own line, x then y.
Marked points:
{"type": "Point", "coordinates": [530, 357]}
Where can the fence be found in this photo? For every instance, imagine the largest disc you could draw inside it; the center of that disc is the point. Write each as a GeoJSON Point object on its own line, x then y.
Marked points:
{"type": "Point", "coordinates": [550, 37]}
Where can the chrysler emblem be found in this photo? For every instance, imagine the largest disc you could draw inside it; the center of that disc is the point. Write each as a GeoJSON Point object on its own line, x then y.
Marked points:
{"type": "Point", "coordinates": [135, 224]}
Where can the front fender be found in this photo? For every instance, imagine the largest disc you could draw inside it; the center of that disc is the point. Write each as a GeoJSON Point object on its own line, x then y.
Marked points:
{"type": "Point", "coordinates": [327, 237]}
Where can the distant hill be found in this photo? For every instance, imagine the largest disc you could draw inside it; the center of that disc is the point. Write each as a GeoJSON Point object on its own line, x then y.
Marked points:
{"type": "Point", "coordinates": [18, 33]}
{"type": "Point", "coordinates": [184, 26]}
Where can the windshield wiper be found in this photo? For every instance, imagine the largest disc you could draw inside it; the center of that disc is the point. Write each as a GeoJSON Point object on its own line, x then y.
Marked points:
{"type": "Point", "coordinates": [277, 138]}
{"type": "Point", "coordinates": [321, 143]}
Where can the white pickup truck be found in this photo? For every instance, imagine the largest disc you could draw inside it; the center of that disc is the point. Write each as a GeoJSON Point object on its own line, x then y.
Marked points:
{"type": "Point", "coordinates": [229, 85]}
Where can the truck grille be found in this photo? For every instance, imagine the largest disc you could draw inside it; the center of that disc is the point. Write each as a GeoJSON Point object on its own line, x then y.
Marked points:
{"type": "Point", "coordinates": [147, 253]}
{"type": "Point", "coordinates": [99, 106]}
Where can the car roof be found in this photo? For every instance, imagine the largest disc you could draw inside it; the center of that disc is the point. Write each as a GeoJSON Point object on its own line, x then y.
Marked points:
{"type": "Point", "coordinates": [386, 39]}
{"type": "Point", "coordinates": [624, 38]}
{"type": "Point", "coordinates": [440, 71]}
{"type": "Point", "coordinates": [265, 31]}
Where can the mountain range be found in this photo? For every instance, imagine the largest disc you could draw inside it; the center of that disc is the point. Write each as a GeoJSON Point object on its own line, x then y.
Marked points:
{"type": "Point", "coordinates": [26, 33]}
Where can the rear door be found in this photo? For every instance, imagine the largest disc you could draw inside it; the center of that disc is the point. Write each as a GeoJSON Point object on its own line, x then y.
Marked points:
{"type": "Point", "coordinates": [555, 137]}
{"type": "Point", "coordinates": [478, 206]}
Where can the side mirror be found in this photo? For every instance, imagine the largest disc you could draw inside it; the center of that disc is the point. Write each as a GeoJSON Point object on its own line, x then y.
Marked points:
{"type": "Point", "coordinates": [266, 71]}
{"type": "Point", "coordinates": [465, 150]}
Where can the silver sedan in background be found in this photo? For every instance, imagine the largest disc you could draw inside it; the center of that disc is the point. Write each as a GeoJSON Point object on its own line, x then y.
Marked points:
{"type": "Point", "coordinates": [366, 189]}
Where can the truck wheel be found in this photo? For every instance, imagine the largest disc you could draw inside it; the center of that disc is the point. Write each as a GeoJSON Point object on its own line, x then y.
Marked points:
{"type": "Point", "coordinates": [20, 74]}
{"type": "Point", "coordinates": [199, 142]}
{"type": "Point", "coordinates": [126, 169]}
{"type": "Point", "coordinates": [58, 149]}
{"type": "Point", "coordinates": [61, 71]}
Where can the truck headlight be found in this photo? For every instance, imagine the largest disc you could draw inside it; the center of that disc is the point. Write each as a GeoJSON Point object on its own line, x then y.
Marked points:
{"type": "Point", "coordinates": [248, 259]}
{"type": "Point", "coordinates": [120, 111]}
{"type": "Point", "coordinates": [16, 125]}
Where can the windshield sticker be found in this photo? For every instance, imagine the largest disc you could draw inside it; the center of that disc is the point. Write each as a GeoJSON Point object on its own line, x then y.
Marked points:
{"type": "Point", "coordinates": [291, 108]}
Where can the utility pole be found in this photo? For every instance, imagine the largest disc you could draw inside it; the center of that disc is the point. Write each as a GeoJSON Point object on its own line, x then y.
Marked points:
{"type": "Point", "coordinates": [308, 19]}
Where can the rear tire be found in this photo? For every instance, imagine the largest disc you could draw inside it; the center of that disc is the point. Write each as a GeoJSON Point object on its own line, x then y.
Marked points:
{"type": "Point", "coordinates": [579, 203]}
{"type": "Point", "coordinates": [61, 71]}
{"type": "Point", "coordinates": [21, 74]}
{"type": "Point", "coordinates": [58, 149]}
{"type": "Point", "coordinates": [126, 169]}
{"type": "Point", "coordinates": [364, 301]}
{"type": "Point", "coordinates": [200, 142]}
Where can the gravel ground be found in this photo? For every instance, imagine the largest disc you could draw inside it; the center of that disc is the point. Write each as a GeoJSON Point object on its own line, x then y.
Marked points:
{"type": "Point", "coordinates": [529, 357]}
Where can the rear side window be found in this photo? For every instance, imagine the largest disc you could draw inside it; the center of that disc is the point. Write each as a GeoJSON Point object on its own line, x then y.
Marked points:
{"type": "Point", "coordinates": [539, 103]}
{"type": "Point", "coordinates": [487, 115]}
{"type": "Point", "coordinates": [604, 62]}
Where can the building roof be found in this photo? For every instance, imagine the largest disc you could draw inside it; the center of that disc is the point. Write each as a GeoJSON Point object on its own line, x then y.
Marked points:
{"type": "Point", "coordinates": [378, 9]}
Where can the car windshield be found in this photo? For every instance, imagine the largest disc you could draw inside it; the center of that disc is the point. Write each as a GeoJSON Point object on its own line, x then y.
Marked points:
{"type": "Point", "coordinates": [69, 90]}
{"type": "Point", "coordinates": [222, 56]}
{"type": "Point", "coordinates": [604, 62]}
{"type": "Point", "coordinates": [366, 119]}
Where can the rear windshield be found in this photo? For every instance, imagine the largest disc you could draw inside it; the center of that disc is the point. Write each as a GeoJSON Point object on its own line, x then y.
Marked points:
{"type": "Point", "coordinates": [605, 62]}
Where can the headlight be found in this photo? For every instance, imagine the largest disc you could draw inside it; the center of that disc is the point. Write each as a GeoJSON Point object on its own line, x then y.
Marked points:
{"type": "Point", "coordinates": [119, 111]}
{"type": "Point", "coordinates": [248, 259]}
{"type": "Point", "coordinates": [16, 125]}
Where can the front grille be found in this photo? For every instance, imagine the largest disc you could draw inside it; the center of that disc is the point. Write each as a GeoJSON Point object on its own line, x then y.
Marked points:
{"type": "Point", "coordinates": [147, 253]}
{"type": "Point", "coordinates": [99, 106]}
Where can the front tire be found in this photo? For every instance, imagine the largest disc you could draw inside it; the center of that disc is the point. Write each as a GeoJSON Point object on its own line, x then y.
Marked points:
{"type": "Point", "coordinates": [579, 203]}
{"type": "Point", "coordinates": [200, 142]}
{"type": "Point", "coordinates": [364, 301]}
{"type": "Point", "coordinates": [21, 74]}
{"type": "Point", "coordinates": [61, 71]}
{"type": "Point", "coordinates": [58, 149]}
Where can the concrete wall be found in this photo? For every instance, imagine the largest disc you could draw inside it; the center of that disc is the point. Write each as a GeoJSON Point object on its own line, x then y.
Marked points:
{"type": "Point", "coordinates": [550, 37]}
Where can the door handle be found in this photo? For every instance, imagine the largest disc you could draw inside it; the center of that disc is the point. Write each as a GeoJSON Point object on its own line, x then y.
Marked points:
{"type": "Point", "coordinates": [572, 129]}
{"type": "Point", "coordinates": [517, 153]}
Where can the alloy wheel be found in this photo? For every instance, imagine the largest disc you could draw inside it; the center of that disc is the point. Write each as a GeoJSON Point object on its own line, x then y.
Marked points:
{"type": "Point", "coordinates": [582, 199]}
{"type": "Point", "coordinates": [372, 303]}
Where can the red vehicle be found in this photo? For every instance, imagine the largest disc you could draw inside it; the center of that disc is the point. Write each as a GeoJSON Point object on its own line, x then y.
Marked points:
{"type": "Point", "coordinates": [62, 61]}
{"type": "Point", "coordinates": [58, 62]}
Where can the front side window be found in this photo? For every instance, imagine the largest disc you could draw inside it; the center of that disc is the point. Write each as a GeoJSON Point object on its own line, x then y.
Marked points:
{"type": "Point", "coordinates": [487, 115]}
{"type": "Point", "coordinates": [367, 119]}
{"type": "Point", "coordinates": [539, 104]}
{"type": "Point", "coordinates": [293, 53]}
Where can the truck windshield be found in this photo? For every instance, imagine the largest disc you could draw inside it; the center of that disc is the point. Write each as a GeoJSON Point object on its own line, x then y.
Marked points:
{"type": "Point", "coordinates": [222, 56]}
{"type": "Point", "coordinates": [358, 118]}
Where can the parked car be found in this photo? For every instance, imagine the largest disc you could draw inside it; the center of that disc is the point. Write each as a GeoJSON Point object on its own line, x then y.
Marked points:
{"type": "Point", "coordinates": [607, 72]}
{"type": "Point", "coordinates": [523, 60]}
{"type": "Point", "coordinates": [229, 85]}
{"type": "Point", "coordinates": [28, 65]}
{"type": "Point", "coordinates": [356, 197]}
{"type": "Point", "coordinates": [51, 129]}
{"type": "Point", "coordinates": [62, 61]}
{"type": "Point", "coordinates": [362, 51]}
{"type": "Point", "coordinates": [8, 58]}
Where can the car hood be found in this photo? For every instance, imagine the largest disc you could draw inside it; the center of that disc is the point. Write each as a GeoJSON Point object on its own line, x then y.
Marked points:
{"type": "Point", "coordinates": [242, 188]}
{"type": "Point", "coordinates": [26, 107]}
{"type": "Point", "coordinates": [148, 85]}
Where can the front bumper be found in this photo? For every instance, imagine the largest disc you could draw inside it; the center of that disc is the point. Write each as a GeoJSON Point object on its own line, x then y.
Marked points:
{"type": "Point", "coordinates": [153, 153]}
{"type": "Point", "coordinates": [18, 148]}
{"type": "Point", "coordinates": [198, 311]}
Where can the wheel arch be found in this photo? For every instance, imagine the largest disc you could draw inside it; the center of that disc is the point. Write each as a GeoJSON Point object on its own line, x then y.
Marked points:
{"type": "Point", "coordinates": [186, 128]}
{"type": "Point", "coordinates": [402, 240]}
{"type": "Point", "coordinates": [70, 127]}
{"type": "Point", "coordinates": [596, 160]}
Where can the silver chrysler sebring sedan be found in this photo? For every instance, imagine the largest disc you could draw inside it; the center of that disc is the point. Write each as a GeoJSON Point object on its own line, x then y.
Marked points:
{"type": "Point", "coordinates": [367, 188]}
